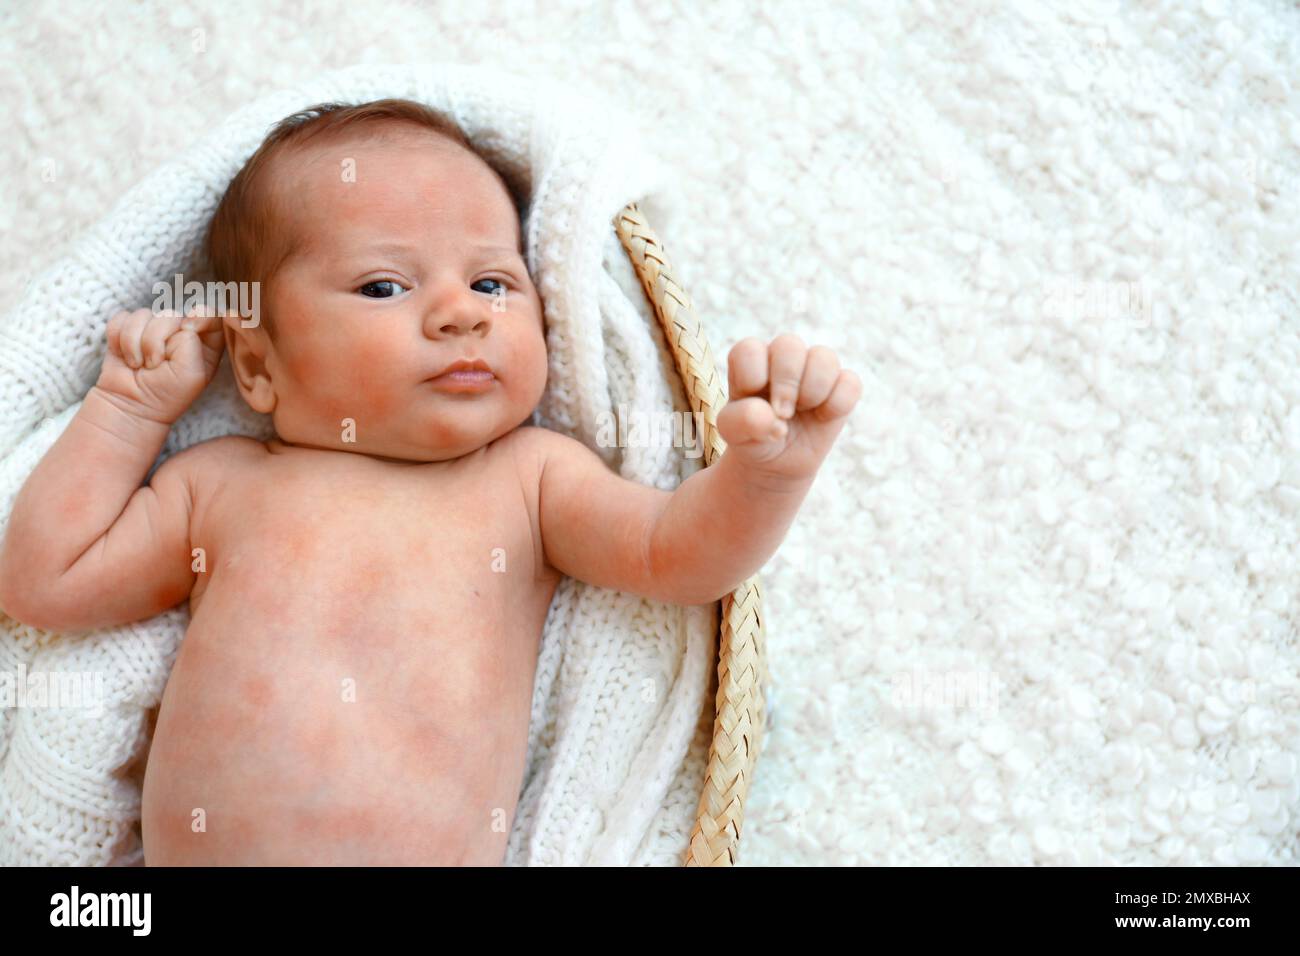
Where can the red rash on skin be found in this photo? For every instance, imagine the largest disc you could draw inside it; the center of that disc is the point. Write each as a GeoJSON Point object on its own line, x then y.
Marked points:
{"type": "Point", "coordinates": [368, 361]}
{"type": "Point", "coordinates": [257, 693]}
{"type": "Point", "coordinates": [297, 544]}
{"type": "Point", "coordinates": [165, 597]}
{"type": "Point", "coordinates": [71, 509]}
{"type": "Point", "coordinates": [316, 737]}
{"type": "Point", "coordinates": [336, 410]}
{"type": "Point", "coordinates": [347, 389]}
{"type": "Point", "coordinates": [371, 579]}
{"type": "Point", "coordinates": [357, 822]}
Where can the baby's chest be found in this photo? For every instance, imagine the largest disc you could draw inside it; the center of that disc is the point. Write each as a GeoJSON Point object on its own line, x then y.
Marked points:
{"type": "Point", "coordinates": [399, 592]}
{"type": "Point", "coordinates": [416, 544]}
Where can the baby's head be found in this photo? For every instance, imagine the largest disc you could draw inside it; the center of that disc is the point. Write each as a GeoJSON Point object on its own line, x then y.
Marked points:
{"type": "Point", "coordinates": [386, 249]}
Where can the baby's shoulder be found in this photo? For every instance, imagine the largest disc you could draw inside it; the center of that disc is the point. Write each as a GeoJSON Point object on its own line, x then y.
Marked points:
{"type": "Point", "coordinates": [541, 444]}
{"type": "Point", "coordinates": [528, 439]}
{"type": "Point", "coordinates": [208, 464]}
{"type": "Point", "coordinates": [526, 447]}
{"type": "Point", "coordinates": [208, 467]}
{"type": "Point", "coordinates": [232, 449]}
{"type": "Point", "coordinates": [532, 447]}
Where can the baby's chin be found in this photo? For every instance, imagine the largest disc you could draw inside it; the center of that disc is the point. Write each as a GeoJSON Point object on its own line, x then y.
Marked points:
{"type": "Point", "coordinates": [446, 445]}
{"type": "Point", "coordinates": [424, 452]}
{"type": "Point", "coordinates": [422, 434]}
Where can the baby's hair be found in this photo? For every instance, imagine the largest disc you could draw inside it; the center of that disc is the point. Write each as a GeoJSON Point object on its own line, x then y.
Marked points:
{"type": "Point", "coordinates": [247, 240]}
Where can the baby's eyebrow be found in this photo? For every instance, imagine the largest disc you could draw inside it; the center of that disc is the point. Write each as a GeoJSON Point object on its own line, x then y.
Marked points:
{"type": "Point", "coordinates": [405, 249]}
{"type": "Point", "coordinates": [384, 249]}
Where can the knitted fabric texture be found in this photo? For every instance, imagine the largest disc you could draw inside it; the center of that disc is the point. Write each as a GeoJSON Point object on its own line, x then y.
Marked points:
{"type": "Point", "coordinates": [619, 728]}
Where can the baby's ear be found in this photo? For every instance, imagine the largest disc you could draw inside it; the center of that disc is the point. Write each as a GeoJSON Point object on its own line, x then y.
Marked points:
{"type": "Point", "coordinates": [248, 348]}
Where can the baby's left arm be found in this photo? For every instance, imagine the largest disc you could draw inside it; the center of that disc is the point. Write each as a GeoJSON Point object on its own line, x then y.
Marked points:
{"type": "Point", "coordinates": [693, 545]}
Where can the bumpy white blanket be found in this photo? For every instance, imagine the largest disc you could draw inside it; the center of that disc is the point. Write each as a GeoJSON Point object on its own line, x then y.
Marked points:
{"type": "Point", "coordinates": [619, 729]}
{"type": "Point", "coordinates": [1095, 505]}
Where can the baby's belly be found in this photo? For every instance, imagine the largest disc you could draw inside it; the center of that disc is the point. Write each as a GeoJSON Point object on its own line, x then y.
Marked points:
{"type": "Point", "coordinates": [362, 727]}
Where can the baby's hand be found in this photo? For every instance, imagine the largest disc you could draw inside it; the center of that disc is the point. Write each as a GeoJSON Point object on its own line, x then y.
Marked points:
{"type": "Point", "coordinates": [159, 363]}
{"type": "Point", "coordinates": [787, 406]}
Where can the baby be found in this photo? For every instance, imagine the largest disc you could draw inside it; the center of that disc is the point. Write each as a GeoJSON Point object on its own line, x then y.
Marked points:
{"type": "Point", "coordinates": [367, 590]}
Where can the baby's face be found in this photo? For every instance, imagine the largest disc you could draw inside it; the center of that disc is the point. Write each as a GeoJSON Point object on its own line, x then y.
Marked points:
{"type": "Point", "coordinates": [399, 275]}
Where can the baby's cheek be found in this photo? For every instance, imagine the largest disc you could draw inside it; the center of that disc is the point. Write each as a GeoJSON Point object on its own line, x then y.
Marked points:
{"type": "Point", "coordinates": [350, 387]}
{"type": "Point", "coordinates": [307, 395]}
{"type": "Point", "coordinates": [369, 383]}
{"type": "Point", "coordinates": [531, 360]}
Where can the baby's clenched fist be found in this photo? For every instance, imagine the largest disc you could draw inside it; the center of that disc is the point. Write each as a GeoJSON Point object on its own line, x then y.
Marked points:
{"type": "Point", "coordinates": [787, 405]}
{"type": "Point", "coordinates": [159, 362]}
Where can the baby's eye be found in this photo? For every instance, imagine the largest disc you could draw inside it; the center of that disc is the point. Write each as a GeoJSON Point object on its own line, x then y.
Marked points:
{"type": "Point", "coordinates": [492, 291]}
{"type": "Point", "coordinates": [377, 284]}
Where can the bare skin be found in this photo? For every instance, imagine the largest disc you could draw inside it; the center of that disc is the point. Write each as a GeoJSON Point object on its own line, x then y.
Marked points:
{"type": "Point", "coordinates": [367, 603]}
{"type": "Point", "coordinates": [347, 697]}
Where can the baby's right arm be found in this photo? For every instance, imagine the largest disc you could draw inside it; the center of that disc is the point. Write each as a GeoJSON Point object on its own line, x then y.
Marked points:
{"type": "Point", "coordinates": [87, 546]}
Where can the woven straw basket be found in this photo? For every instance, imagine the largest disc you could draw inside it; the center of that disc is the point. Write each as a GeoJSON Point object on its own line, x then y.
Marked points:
{"type": "Point", "coordinates": [738, 721]}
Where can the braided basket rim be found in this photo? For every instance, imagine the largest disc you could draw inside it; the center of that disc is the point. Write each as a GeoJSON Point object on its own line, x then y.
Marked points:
{"type": "Point", "coordinates": [739, 706]}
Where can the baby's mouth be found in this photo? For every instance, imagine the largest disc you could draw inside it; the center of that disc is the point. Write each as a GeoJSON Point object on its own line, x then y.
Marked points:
{"type": "Point", "coordinates": [464, 380]}
{"type": "Point", "coordinates": [468, 375]}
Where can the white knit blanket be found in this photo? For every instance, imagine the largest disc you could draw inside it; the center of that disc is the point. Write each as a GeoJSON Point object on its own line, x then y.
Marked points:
{"type": "Point", "coordinates": [619, 729]}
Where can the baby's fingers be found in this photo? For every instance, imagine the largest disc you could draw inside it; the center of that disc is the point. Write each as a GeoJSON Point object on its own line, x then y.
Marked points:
{"type": "Point", "coordinates": [845, 394]}
{"type": "Point", "coordinates": [747, 368]}
{"type": "Point", "coordinates": [113, 333]}
{"type": "Point", "coordinates": [203, 320]}
{"type": "Point", "coordinates": [209, 325]}
{"type": "Point", "coordinates": [749, 420]}
{"type": "Point", "coordinates": [754, 368]}
{"type": "Point", "coordinates": [153, 343]}
{"type": "Point", "coordinates": [130, 330]}
{"type": "Point", "coordinates": [787, 355]}
{"type": "Point", "coordinates": [820, 373]}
